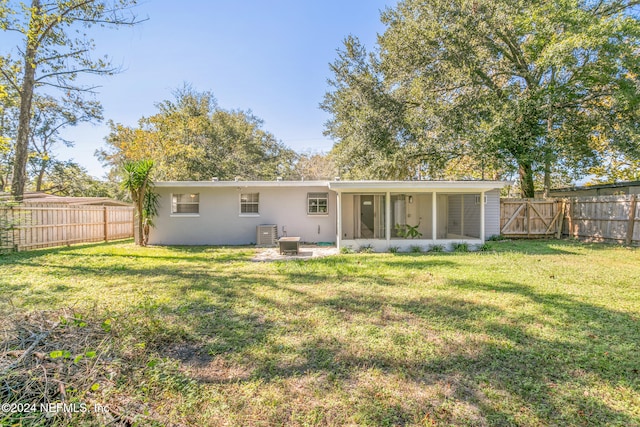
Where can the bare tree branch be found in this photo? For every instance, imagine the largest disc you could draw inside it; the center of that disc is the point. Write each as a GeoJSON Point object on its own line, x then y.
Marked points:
{"type": "Point", "coordinates": [61, 56]}
{"type": "Point", "coordinates": [79, 70]}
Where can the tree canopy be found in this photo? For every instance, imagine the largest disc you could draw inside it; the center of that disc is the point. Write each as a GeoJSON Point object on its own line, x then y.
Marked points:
{"type": "Point", "coordinates": [192, 138]}
{"type": "Point", "coordinates": [506, 86]}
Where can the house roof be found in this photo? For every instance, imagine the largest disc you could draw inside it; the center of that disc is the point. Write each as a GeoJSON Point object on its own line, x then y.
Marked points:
{"type": "Point", "coordinates": [454, 186]}
{"type": "Point", "coordinates": [345, 186]}
{"type": "Point", "coordinates": [241, 183]}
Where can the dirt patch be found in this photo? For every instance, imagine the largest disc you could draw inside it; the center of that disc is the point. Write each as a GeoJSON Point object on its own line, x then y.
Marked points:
{"type": "Point", "coordinates": [306, 252]}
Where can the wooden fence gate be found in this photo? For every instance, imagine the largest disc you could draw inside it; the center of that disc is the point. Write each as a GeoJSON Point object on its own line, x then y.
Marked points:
{"type": "Point", "coordinates": [602, 218]}
{"type": "Point", "coordinates": [531, 217]}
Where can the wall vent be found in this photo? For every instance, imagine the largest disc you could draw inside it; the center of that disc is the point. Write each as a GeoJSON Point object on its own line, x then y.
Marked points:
{"type": "Point", "coordinates": [266, 235]}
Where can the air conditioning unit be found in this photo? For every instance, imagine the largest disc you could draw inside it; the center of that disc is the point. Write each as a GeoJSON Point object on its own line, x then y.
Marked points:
{"type": "Point", "coordinates": [266, 235]}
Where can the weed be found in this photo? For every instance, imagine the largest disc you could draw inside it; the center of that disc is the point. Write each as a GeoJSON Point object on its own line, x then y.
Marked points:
{"type": "Point", "coordinates": [497, 238]}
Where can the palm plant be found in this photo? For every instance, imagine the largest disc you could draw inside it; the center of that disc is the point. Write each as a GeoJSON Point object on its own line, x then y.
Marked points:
{"type": "Point", "coordinates": [137, 181]}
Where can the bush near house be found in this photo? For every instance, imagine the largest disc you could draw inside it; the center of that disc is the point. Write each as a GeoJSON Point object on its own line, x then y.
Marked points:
{"type": "Point", "coordinates": [528, 334]}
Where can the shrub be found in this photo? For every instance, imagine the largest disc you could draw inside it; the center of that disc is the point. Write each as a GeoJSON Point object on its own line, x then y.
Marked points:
{"type": "Point", "coordinates": [394, 249]}
{"type": "Point", "coordinates": [367, 249]}
{"type": "Point", "coordinates": [460, 247]}
{"type": "Point", "coordinates": [346, 250]}
{"type": "Point", "coordinates": [496, 238]}
{"type": "Point", "coordinates": [415, 249]}
{"type": "Point", "coordinates": [436, 248]}
{"type": "Point", "coordinates": [484, 247]}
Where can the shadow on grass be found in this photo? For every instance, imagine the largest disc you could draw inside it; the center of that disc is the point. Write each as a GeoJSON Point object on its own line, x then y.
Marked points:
{"type": "Point", "coordinates": [563, 367]}
{"type": "Point", "coordinates": [8, 257]}
{"type": "Point", "coordinates": [547, 246]}
{"type": "Point", "coordinates": [560, 363]}
{"type": "Point", "coordinates": [494, 358]}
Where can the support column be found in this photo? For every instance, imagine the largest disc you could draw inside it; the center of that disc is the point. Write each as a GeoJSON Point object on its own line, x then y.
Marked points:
{"type": "Point", "coordinates": [482, 225]}
{"type": "Point", "coordinates": [462, 214]}
{"type": "Point", "coordinates": [387, 218]}
{"type": "Point", "coordinates": [434, 220]}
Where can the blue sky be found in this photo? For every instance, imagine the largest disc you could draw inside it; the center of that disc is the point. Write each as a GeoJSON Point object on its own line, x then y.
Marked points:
{"type": "Point", "coordinates": [268, 56]}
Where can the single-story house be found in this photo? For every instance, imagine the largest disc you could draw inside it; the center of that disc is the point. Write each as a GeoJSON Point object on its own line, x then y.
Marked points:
{"type": "Point", "coordinates": [378, 214]}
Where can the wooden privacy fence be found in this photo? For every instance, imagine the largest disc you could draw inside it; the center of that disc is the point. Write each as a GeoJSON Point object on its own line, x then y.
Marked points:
{"type": "Point", "coordinates": [603, 218]}
{"type": "Point", "coordinates": [26, 227]}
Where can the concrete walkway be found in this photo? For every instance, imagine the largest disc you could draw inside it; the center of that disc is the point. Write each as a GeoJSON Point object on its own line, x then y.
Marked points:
{"type": "Point", "coordinates": [306, 252]}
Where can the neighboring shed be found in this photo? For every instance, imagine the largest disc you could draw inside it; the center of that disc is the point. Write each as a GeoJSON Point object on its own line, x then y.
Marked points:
{"type": "Point", "coordinates": [615, 189]}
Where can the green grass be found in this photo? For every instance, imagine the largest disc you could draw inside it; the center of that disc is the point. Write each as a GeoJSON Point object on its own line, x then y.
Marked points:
{"type": "Point", "coordinates": [525, 333]}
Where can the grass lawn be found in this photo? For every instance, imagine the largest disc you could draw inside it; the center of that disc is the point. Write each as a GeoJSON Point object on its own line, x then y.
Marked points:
{"type": "Point", "coordinates": [528, 334]}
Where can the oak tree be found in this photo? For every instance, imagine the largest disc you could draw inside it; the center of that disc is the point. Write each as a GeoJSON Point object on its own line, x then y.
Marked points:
{"type": "Point", "coordinates": [192, 138]}
{"type": "Point", "coordinates": [533, 86]}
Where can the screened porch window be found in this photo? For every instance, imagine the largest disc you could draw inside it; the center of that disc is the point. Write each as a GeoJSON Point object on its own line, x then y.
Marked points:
{"type": "Point", "coordinates": [188, 203]}
{"type": "Point", "coordinates": [411, 216]}
{"type": "Point", "coordinates": [363, 216]}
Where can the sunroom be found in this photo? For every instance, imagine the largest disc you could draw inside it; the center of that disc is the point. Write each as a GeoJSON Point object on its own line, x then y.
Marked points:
{"type": "Point", "coordinates": [406, 214]}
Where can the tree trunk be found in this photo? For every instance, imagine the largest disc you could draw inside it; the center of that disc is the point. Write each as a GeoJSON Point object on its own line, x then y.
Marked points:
{"type": "Point", "coordinates": [547, 154]}
{"type": "Point", "coordinates": [140, 223]}
{"type": "Point", "coordinates": [526, 180]}
{"type": "Point", "coordinates": [26, 97]}
{"type": "Point", "coordinates": [41, 172]}
{"type": "Point", "coordinates": [547, 176]}
{"type": "Point", "coordinates": [140, 226]}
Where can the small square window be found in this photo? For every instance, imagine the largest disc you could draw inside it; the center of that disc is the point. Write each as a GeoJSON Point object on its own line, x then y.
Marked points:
{"type": "Point", "coordinates": [249, 203]}
{"type": "Point", "coordinates": [185, 203]}
{"type": "Point", "coordinates": [317, 203]}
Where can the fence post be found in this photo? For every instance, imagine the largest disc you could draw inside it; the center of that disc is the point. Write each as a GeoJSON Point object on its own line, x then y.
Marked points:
{"type": "Point", "coordinates": [632, 219]}
{"type": "Point", "coordinates": [561, 219]}
{"type": "Point", "coordinates": [105, 216]}
{"type": "Point", "coordinates": [528, 216]}
{"type": "Point", "coordinates": [570, 217]}
{"type": "Point", "coordinates": [16, 231]}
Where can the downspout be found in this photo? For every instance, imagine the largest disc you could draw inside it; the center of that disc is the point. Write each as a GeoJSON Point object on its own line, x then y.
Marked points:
{"type": "Point", "coordinates": [339, 219]}
{"type": "Point", "coordinates": [482, 222]}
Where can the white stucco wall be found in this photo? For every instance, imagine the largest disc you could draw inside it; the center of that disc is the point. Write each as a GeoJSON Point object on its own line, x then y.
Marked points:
{"type": "Point", "coordinates": [492, 214]}
{"type": "Point", "coordinates": [219, 221]}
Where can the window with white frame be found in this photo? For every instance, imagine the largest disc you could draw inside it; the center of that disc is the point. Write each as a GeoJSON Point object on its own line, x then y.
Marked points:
{"type": "Point", "coordinates": [249, 203]}
{"type": "Point", "coordinates": [187, 203]}
{"type": "Point", "coordinates": [317, 203]}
